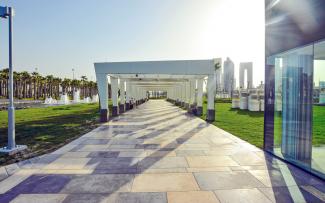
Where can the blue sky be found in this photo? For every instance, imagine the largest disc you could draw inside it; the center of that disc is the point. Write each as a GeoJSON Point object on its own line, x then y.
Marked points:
{"type": "Point", "coordinates": [56, 36]}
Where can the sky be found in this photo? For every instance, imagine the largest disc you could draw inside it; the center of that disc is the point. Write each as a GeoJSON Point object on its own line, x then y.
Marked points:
{"type": "Point", "coordinates": [58, 36]}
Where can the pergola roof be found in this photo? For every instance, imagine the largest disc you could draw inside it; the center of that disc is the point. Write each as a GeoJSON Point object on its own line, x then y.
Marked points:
{"type": "Point", "coordinates": [157, 74]}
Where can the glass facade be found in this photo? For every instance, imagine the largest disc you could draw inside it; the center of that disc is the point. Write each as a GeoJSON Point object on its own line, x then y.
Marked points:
{"type": "Point", "coordinates": [295, 127]}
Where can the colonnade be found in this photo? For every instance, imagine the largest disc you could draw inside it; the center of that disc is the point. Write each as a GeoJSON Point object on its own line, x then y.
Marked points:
{"type": "Point", "coordinates": [125, 95]}
{"type": "Point", "coordinates": [183, 80]}
{"type": "Point", "coordinates": [189, 95]}
{"type": "Point", "coordinates": [186, 93]}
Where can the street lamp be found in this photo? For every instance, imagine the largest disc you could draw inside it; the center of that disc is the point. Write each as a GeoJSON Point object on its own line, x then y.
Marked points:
{"type": "Point", "coordinates": [8, 13]}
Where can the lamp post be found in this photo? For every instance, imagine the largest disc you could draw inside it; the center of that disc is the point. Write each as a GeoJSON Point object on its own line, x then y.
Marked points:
{"type": "Point", "coordinates": [73, 73]}
{"type": "Point", "coordinates": [8, 13]}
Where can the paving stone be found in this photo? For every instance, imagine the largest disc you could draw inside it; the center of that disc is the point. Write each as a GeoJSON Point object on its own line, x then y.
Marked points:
{"type": "Point", "coordinates": [164, 182]}
{"type": "Point", "coordinates": [154, 152]}
{"type": "Point", "coordinates": [147, 146]}
{"type": "Point", "coordinates": [89, 148]}
{"type": "Point", "coordinates": [112, 163]}
{"type": "Point", "coordinates": [15, 179]}
{"type": "Point", "coordinates": [242, 195]}
{"type": "Point", "coordinates": [210, 161]}
{"type": "Point", "coordinates": [248, 158]}
{"type": "Point", "coordinates": [108, 154]}
{"type": "Point", "coordinates": [143, 197]}
{"type": "Point", "coordinates": [68, 163]}
{"type": "Point", "coordinates": [42, 161]}
{"type": "Point", "coordinates": [163, 170]}
{"type": "Point", "coordinates": [75, 155]}
{"type": "Point", "coordinates": [12, 168]}
{"type": "Point", "coordinates": [190, 153]}
{"type": "Point", "coordinates": [95, 142]}
{"type": "Point", "coordinates": [119, 146]}
{"type": "Point", "coordinates": [211, 169]}
{"type": "Point", "coordinates": [39, 198]}
{"type": "Point", "coordinates": [289, 195]}
{"type": "Point", "coordinates": [85, 198]}
{"type": "Point", "coordinates": [38, 184]}
{"type": "Point", "coordinates": [192, 197]}
{"type": "Point", "coordinates": [3, 173]}
{"type": "Point", "coordinates": [99, 184]}
{"type": "Point", "coordinates": [226, 180]}
{"type": "Point", "coordinates": [64, 149]}
{"type": "Point", "coordinates": [7, 197]}
{"type": "Point", "coordinates": [132, 154]}
{"type": "Point", "coordinates": [273, 178]}
{"type": "Point", "coordinates": [160, 153]}
{"type": "Point", "coordinates": [126, 141]}
{"type": "Point", "coordinates": [166, 162]}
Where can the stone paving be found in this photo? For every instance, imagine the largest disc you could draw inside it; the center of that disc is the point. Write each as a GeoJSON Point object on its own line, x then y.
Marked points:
{"type": "Point", "coordinates": [158, 153]}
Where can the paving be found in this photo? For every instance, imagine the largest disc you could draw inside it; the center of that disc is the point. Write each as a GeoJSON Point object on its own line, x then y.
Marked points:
{"type": "Point", "coordinates": [158, 153]}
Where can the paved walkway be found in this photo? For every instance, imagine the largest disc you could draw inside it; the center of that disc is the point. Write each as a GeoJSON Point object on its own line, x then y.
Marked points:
{"type": "Point", "coordinates": [157, 153]}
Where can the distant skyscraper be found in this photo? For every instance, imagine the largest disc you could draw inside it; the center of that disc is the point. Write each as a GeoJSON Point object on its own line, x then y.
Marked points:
{"type": "Point", "coordinates": [248, 69]}
{"type": "Point", "coordinates": [218, 73]}
{"type": "Point", "coordinates": [228, 76]}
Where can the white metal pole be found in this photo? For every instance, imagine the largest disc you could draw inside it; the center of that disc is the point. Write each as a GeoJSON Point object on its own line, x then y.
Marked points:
{"type": "Point", "coordinates": [11, 107]}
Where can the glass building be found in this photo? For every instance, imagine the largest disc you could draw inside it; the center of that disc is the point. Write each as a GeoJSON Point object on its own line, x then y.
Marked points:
{"type": "Point", "coordinates": [294, 127]}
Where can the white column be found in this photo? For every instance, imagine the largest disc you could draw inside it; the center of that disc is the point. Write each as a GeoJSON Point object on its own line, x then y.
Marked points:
{"type": "Point", "coordinates": [102, 84]}
{"type": "Point", "coordinates": [128, 96]}
{"type": "Point", "coordinates": [178, 94]}
{"type": "Point", "coordinates": [183, 93]}
{"type": "Point", "coordinates": [192, 91]}
{"type": "Point", "coordinates": [211, 88]}
{"type": "Point", "coordinates": [122, 96]}
{"type": "Point", "coordinates": [136, 94]}
{"type": "Point", "coordinates": [188, 94]}
{"type": "Point", "coordinates": [114, 87]}
{"type": "Point", "coordinates": [199, 97]}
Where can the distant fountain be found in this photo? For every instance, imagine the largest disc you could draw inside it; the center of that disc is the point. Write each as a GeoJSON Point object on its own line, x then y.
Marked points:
{"type": "Point", "coordinates": [86, 100]}
{"type": "Point", "coordinates": [50, 101]}
{"type": "Point", "coordinates": [95, 98]}
{"type": "Point", "coordinates": [64, 99]}
{"type": "Point", "coordinates": [76, 96]}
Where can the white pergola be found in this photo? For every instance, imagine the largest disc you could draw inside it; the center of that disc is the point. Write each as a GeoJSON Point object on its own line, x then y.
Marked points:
{"type": "Point", "coordinates": [178, 78]}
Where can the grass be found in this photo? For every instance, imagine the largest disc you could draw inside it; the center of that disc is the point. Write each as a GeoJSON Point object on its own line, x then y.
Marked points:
{"type": "Point", "coordinates": [249, 126]}
{"type": "Point", "coordinates": [318, 126]}
{"type": "Point", "coordinates": [45, 129]}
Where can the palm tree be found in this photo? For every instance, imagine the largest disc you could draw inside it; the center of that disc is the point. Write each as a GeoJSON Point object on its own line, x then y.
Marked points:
{"type": "Point", "coordinates": [35, 79]}
{"type": "Point", "coordinates": [6, 81]}
{"type": "Point", "coordinates": [25, 76]}
{"type": "Point", "coordinates": [65, 85]}
{"type": "Point", "coordinates": [17, 81]}
{"type": "Point", "coordinates": [57, 83]}
{"type": "Point", "coordinates": [49, 85]}
{"type": "Point", "coordinates": [75, 84]}
{"type": "Point", "coordinates": [35, 86]}
{"type": "Point", "coordinates": [84, 81]}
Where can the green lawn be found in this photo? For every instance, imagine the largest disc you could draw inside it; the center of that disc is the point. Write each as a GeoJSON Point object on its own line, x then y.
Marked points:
{"type": "Point", "coordinates": [46, 129]}
{"type": "Point", "coordinates": [318, 126]}
{"type": "Point", "coordinates": [249, 126]}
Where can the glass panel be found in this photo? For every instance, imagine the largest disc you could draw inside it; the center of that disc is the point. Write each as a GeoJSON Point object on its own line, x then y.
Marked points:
{"type": "Point", "coordinates": [318, 151]}
{"type": "Point", "coordinates": [293, 88]}
{"type": "Point", "coordinates": [299, 107]}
